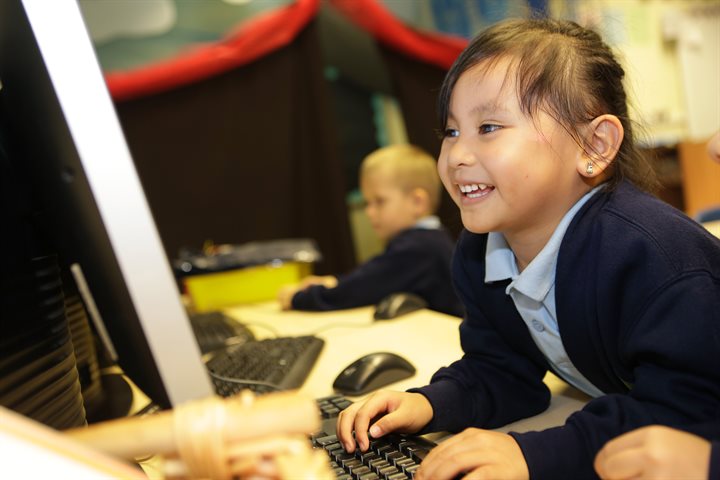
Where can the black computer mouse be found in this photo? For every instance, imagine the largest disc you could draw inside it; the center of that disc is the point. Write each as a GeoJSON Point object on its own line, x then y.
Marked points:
{"type": "Point", "coordinates": [371, 372]}
{"type": "Point", "coordinates": [397, 304]}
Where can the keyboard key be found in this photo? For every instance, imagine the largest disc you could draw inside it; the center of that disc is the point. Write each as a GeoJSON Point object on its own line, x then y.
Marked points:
{"type": "Point", "coordinates": [326, 440]}
{"type": "Point", "coordinates": [369, 476]}
{"type": "Point", "coordinates": [359, 471]}
{"type": "Point", "coordinates": [389, 470]}
{"type": "Point", "coordinates": [410, 470]}
{"type": "Point", "coordinates": [397, 476]}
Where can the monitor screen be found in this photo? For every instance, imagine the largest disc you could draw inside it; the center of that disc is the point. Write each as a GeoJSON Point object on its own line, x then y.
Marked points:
{"type": "Point", "coordinates": [64, 131]}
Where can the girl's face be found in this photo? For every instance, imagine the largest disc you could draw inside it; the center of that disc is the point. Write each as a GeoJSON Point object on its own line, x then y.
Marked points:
{"type": "Point", "coordinates": [507, 172]}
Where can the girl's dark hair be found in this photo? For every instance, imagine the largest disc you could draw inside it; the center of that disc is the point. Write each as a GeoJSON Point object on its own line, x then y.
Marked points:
{"type": "Point", "coordinates": [564, 70]}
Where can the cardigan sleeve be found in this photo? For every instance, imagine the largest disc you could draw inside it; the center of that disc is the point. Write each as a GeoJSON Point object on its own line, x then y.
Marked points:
{"type": "Point", "coordinates": [416, 261]}
{"type": "Point", "coordinates": [638, 306]}
{"type": "Point", "coordinates": [674, 377]}
{"type": "Point", "coordinates": [714, 473]}
{"type": "Point", "coordinates": [366, 285]}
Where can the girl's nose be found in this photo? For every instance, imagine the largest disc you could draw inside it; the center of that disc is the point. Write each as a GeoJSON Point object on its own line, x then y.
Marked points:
{"type": "Point", "coordinates": [459, 153]}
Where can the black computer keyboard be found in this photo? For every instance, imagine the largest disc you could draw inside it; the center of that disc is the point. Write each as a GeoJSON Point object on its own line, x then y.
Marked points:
{"type": "Point", "coordinates": [392, 457]}
{"type": "Point", "coordinates": [214, 330]}
{"type": "Point", "coordinates": [263, 366]}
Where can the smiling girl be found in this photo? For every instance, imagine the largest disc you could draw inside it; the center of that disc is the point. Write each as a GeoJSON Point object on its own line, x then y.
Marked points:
{"type": "Point", "coordinates": [566, 264]}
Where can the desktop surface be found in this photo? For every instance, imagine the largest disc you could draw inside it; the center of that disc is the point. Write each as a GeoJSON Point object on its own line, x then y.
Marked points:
{"type": "Point", "coordinates": [428, 339]}
{"type": "Point", "coordinates": [713, 227]}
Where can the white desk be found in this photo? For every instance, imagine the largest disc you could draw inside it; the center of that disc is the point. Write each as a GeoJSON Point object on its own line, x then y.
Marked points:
{"type": "Point", "coordinates": [429, 340]}
{"type": "Point", "coordinates": [713, 227]}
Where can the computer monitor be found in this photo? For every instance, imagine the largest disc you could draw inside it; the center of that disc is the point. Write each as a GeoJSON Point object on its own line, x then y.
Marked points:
{"type": "Point", "coordinates": [65, 132]}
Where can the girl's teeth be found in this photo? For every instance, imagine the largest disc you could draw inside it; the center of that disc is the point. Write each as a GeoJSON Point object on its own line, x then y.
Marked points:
{"type": "Point", "coordinates": [472, 187]}
{"type": "Point", "coordinates": [474, 190]}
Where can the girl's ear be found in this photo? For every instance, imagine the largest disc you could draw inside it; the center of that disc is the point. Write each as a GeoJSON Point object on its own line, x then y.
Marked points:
{"type": "Point", "coordinates": [604, 136]}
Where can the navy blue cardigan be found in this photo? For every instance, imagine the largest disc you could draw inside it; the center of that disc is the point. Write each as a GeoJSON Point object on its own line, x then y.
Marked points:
{"type": "Point", "coordinates": [638, 307]}
{"type": "Point", "coordinates": [417, 260]}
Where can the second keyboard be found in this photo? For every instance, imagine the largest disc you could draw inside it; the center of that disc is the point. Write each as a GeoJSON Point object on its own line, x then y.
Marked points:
{"type": "Point", "coordinates": [281, 363]}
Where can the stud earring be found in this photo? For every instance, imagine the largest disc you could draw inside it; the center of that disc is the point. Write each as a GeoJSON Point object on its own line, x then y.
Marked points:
{"type": "Point", "coordinates": [589, 169]}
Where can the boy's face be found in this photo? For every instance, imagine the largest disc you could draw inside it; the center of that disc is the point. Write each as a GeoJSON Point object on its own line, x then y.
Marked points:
{"type": "Point", "coordinates": [389, 208]}
{"type": "Point", "coordinates": [508, 173]}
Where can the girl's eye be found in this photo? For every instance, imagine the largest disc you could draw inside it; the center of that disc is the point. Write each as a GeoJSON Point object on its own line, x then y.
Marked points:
{"type": "Point", "coordinates": [489, 128]}
{"type": "Point", "coordinates": [450, 132]}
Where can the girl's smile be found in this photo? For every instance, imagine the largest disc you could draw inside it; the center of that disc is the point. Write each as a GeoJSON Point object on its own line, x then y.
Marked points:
{"type": "Point", "coordinates": [474, 191]}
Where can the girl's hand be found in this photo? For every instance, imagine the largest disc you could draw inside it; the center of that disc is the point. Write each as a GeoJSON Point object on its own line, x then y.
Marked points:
{"type": "Point", "coordinates": [397, 412]}
{"type": "Point", "coordinates": [654, 452]}
{"type": "Point", "coordinates": [475, 453]}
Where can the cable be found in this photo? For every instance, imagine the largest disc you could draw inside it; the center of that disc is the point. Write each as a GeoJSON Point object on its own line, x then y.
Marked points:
{"type": "Point", "coordinates": [267, 327]}
{"type": "Point", "coordinates": [266, 386]}
{"type": "Point", "coordinates": [340, 325]}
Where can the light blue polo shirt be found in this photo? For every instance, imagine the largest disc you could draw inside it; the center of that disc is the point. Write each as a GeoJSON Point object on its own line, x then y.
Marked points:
{"type": "Point", "coordinates": [533, 292]}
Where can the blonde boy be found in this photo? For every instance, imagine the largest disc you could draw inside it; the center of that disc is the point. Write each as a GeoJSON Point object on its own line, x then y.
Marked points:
{"type": "Point", "coordinates": [401, 189]}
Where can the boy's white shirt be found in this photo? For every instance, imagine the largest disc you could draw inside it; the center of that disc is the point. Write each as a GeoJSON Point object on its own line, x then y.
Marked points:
{"type": "Point", "coordinates": [431, 222]}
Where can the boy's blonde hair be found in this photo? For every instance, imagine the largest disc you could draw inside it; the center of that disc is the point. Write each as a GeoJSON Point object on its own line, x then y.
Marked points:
{"type": "Point", "coordinates": [409, 167]}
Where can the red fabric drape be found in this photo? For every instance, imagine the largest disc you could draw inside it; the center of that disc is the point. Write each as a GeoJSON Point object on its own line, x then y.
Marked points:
{"type": "Point", "coordinates": [435, 49]}
{"type": "Point", "coordinates": [274, 30]}
{"type": "Point", "coordinates": [264, 34]}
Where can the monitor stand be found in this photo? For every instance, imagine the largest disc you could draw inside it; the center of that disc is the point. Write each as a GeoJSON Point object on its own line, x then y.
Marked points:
{"type": "Point", "coordinates": [115, 401]}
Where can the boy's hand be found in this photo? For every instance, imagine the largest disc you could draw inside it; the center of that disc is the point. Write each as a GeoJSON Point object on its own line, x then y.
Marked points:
{"type": "Point", "coordinates": [285, 296]}
{"type": "Point", "coordinates": [475, 453]}
{"type": "Point", "coordinates": [397, 412]}
{"type": "Point", "coordinates": [287, 292]}
{"type": "Point", "coordinates": [327, 281]}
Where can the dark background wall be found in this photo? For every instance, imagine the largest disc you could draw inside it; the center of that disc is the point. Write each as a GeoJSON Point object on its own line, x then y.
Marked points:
{"type": "Point", "coordinates": [247, 155]}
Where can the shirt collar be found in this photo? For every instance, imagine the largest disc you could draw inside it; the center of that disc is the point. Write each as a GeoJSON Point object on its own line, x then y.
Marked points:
{"type": "Point", "coordinates": [539, 276]}
{"type": "Point", "coordinates": [499, 259]}
{"type": "Point", "coordinates": [431, 222]}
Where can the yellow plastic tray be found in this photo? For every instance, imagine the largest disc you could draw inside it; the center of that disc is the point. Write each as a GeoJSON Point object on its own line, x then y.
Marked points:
{"type": "Point", "coordinates": [260, 283]}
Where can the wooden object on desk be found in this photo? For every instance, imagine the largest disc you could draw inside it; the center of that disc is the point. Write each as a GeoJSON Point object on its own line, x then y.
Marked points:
{"type": "Point", "coordinates": [700, 178]}
{"type": "Point", "coordinates": [217, 438]}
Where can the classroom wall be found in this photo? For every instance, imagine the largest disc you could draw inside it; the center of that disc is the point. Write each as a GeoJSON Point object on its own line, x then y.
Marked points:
{"type": "Point", "coordinates": [670, 47]}
{"type": "Point", "coordinates": [671, 50]}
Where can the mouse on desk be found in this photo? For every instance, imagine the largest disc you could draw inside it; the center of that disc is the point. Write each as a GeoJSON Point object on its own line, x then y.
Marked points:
{"type": "Point", "coordinates": [371, 372]}
{"type": "Point", "coordinates": [397, 304]}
